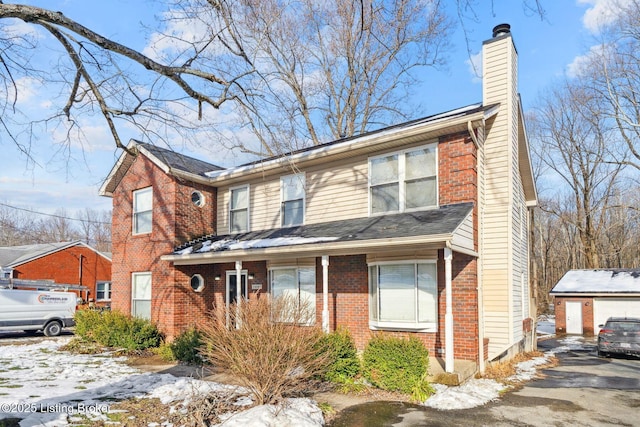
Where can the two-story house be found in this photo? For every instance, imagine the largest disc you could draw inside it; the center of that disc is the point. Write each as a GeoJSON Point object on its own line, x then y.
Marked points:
{"type": "Point", "coordinates": [419, 229]}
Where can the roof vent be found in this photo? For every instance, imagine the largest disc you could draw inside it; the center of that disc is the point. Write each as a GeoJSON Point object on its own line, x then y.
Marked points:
{"type": "Point", "coordinates": [501, 29]}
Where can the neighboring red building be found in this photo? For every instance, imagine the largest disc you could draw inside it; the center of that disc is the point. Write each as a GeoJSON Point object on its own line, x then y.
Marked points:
{"type": "Point", "coordinates": [585, 299]}
{"type": "Point", "coordinates": [420, 229]}
{"type": "Point", "coordinates": [69, 263]}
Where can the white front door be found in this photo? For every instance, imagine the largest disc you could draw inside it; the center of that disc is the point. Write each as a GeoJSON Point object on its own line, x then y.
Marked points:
{"type": "Point", "coordinates": [574, 317]}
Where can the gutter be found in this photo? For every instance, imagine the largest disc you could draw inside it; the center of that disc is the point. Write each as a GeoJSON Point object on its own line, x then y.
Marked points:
{"type": "Point", "coordinates": [331, 248]}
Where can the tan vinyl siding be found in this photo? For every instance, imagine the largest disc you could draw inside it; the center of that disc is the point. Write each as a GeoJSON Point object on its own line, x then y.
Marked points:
{"type": "Point", "coordinates": [334, 191]}
{"type": "Point", "coordinates": [463, 236]}
{"type": "Point", "coordinates": [338, 192]}
{"type": "Point", "coordinates": [500, 86]}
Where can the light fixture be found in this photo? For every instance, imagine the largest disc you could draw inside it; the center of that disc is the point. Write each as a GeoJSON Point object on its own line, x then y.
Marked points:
{"type": "Point", "coordinates": [252, 276]}
{"type": "Point", "coordinates": [217, 277]}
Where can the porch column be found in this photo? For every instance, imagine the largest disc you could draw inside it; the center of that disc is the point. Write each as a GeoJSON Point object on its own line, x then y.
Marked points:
{"type": "Point", "coordinates": [238, 291]}
{"type": "Point", "coordinates": [448, 316]}
{"type": "Point", "coordinates": [325, 293]}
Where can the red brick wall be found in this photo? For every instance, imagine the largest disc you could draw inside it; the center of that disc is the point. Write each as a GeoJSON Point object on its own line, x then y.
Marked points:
{"type": "Point", "coordinates": [64, 267]}
{"type": "Point", "coordinates": [349, 303]}
{"type": "Point", "coordinates": [458, 173]}
{"type": "Point", "coordinates": [561, 314]}
{"type": "Point", "coordinates": [175, 220]}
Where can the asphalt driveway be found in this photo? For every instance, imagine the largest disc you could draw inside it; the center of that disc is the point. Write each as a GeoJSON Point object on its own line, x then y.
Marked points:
{"type": "Point", "coordinates": [582, 390]}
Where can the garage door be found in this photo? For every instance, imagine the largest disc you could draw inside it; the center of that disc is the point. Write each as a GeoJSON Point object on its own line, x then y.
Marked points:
{"type": "Point", "coordinates": [603, 308]}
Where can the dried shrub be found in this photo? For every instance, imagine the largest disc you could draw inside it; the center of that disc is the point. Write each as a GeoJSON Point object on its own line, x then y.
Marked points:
{"type": "Point", "coordinates": [270, 357]}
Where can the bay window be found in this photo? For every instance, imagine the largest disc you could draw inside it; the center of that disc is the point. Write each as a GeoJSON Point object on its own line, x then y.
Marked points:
{"type": "Point", "coordinates": [403, 295]}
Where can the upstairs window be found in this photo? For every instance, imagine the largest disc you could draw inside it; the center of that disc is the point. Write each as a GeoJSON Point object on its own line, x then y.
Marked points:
{"type": "Point", "coordinates": [403, 181]}
{"type": "Point", "coordinates": [103, 291]}
{"type": "Point", "coordinates": [293, 195]}
{"type": "Point", "coordinates": [239, 210]}
{"type": "Point", "coordinates": [142, 207]}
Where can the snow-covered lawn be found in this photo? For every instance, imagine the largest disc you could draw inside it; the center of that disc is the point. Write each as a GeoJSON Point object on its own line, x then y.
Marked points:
{"type": "Point", "coordinates": [47, 387]}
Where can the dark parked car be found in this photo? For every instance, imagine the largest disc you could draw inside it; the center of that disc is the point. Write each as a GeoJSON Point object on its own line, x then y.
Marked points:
{"type": "Point", "coordinates": [620, 335]}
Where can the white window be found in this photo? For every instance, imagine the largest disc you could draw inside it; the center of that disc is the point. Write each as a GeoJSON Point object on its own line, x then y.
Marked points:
{"type": "Point", "coordinates": [141, 295]}
{"type": "Point", "coordinates": [292, 195]}
{"type": "Point", "coordinates": [300, 285]}
{"type": "Point", "coordinates": [142, 206]}
{"type": "Point", "coordinates": [197, 198]}
{"type": "Point", "coordinates": [239, 209]}
{"type": "Point", "coordinates": [103, 291]}
{"type": "Point", "coordinates": [403, 295]}
{"type": "Point", "coordinates": [403, 181]}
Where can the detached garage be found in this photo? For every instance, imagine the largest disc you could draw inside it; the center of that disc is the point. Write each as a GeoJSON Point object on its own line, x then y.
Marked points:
{"type": "Point", "coordinates": [585, 299]}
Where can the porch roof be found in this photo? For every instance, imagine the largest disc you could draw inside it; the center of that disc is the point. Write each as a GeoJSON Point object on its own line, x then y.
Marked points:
{"type": "Point", "coordinates": [434, 228]}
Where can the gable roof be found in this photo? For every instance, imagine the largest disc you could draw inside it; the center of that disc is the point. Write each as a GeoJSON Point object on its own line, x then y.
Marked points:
{"type": "Point", "coordinates": [458, 120]}
{"type": "Point", "coordinates": [599, 281]}
{"type": "Point", "coordinates": [13, 256]}
{"type": "Point", "coordinates": [433, 226]}
{"type": "Point", "coordinates": [169, 161]}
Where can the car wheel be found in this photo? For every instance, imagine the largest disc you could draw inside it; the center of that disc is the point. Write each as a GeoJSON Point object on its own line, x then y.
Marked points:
{"type": "Point", "coordinates": [53, 329]}
{"type": "Point", "coordinates": [602, 353]}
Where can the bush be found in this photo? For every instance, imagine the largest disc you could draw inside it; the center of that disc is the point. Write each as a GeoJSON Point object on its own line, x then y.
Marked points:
{"type": "Point", "coordinates": [398, 364]}
{"type": "Point", "coordinates": [114, 329]}
{"type": "Point", "coordinates": [344, 364]}
{"type": "Point", "coordinates": [186, 346]}
{"type": "Point", "coordinates": [270, 358]}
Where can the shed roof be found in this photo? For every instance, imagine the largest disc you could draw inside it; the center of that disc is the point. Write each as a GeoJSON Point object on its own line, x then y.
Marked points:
{"type": "Point", "coordinates": [599, 281]}
{"type": "Point", "coordinates": [383, 230]}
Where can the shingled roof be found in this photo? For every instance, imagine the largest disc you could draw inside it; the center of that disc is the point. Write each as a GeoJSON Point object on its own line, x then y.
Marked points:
{"type": "Point", "coordinates": [442, 221]}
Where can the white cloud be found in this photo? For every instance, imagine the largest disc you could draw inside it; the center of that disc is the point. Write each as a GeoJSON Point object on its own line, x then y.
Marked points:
{"type": "Point", "coordinates": [601, 13]}
{"type": "Point", "coordinates": [583, 63]}
{"type": "Point", "coordinates": [474, 64]}
{"type": "Point", "coordinates": [28, 89]}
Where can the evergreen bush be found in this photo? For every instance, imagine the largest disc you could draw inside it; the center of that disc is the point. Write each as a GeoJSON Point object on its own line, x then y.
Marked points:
{"type": "Point", "coordinates": [397, 364]}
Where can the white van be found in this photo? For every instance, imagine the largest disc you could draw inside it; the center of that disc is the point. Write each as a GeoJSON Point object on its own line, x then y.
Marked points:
{"type": "Point", "coordinates": [30, 311]}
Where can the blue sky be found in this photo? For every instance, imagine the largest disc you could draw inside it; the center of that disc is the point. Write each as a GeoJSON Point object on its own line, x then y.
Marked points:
{"type": "Point", "coordinates": [546, 49]}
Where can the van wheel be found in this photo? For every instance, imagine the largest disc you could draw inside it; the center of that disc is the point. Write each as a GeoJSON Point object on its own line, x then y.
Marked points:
{"type": "Point", "coordinates": [53, 329]}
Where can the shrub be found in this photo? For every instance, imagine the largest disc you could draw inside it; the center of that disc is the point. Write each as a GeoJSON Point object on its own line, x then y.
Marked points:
{"type": "Point", "coordinates": [344, 364]}
{"type": "Point", "coordinates": [397, 364]}
{"type": "Point", "coordinates": [186, 346]}
{"type": "Point", "coordinates": [114, 329]}
{"type": "Point", "coordinates": [270, 358]}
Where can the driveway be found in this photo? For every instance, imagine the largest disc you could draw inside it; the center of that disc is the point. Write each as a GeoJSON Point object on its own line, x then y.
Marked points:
{"type": "Point", "coordinates": [582, 390]}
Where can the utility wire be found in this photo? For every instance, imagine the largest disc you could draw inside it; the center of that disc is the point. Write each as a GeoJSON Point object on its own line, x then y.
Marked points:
{"type": "Point", "coordinates": [54, 215]}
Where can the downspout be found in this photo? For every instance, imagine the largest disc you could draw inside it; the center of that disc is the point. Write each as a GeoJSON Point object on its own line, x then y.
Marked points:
{"type": "Point", "coordinates": [479, 269]}
{"type": "Point", "coordinates": [80, 271]}
{"type": "Point", "coordinates": [325, 293]}
{"type": "Point", "coordinates": [448, 316]}
{"type": "Point", "coordinates": [472, 134]}
{"type": "Point", "coordinates": [238, 292]}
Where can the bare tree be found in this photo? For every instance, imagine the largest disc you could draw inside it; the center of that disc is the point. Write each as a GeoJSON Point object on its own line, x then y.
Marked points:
{"type": "Point", "coordinates": [613, 70]}
{"type": "Point", "coordinates": [296, 72]}
{"type": "Point", "coordinates": [95, 228]}
{"type": "Point", "coordinates": [573, 139]}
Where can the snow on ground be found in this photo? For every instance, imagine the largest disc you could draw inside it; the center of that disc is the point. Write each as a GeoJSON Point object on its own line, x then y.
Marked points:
{"type": "Point", "coordinates": [546, 325]}
{"type": "Point", "coordinates": [43, 385]}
